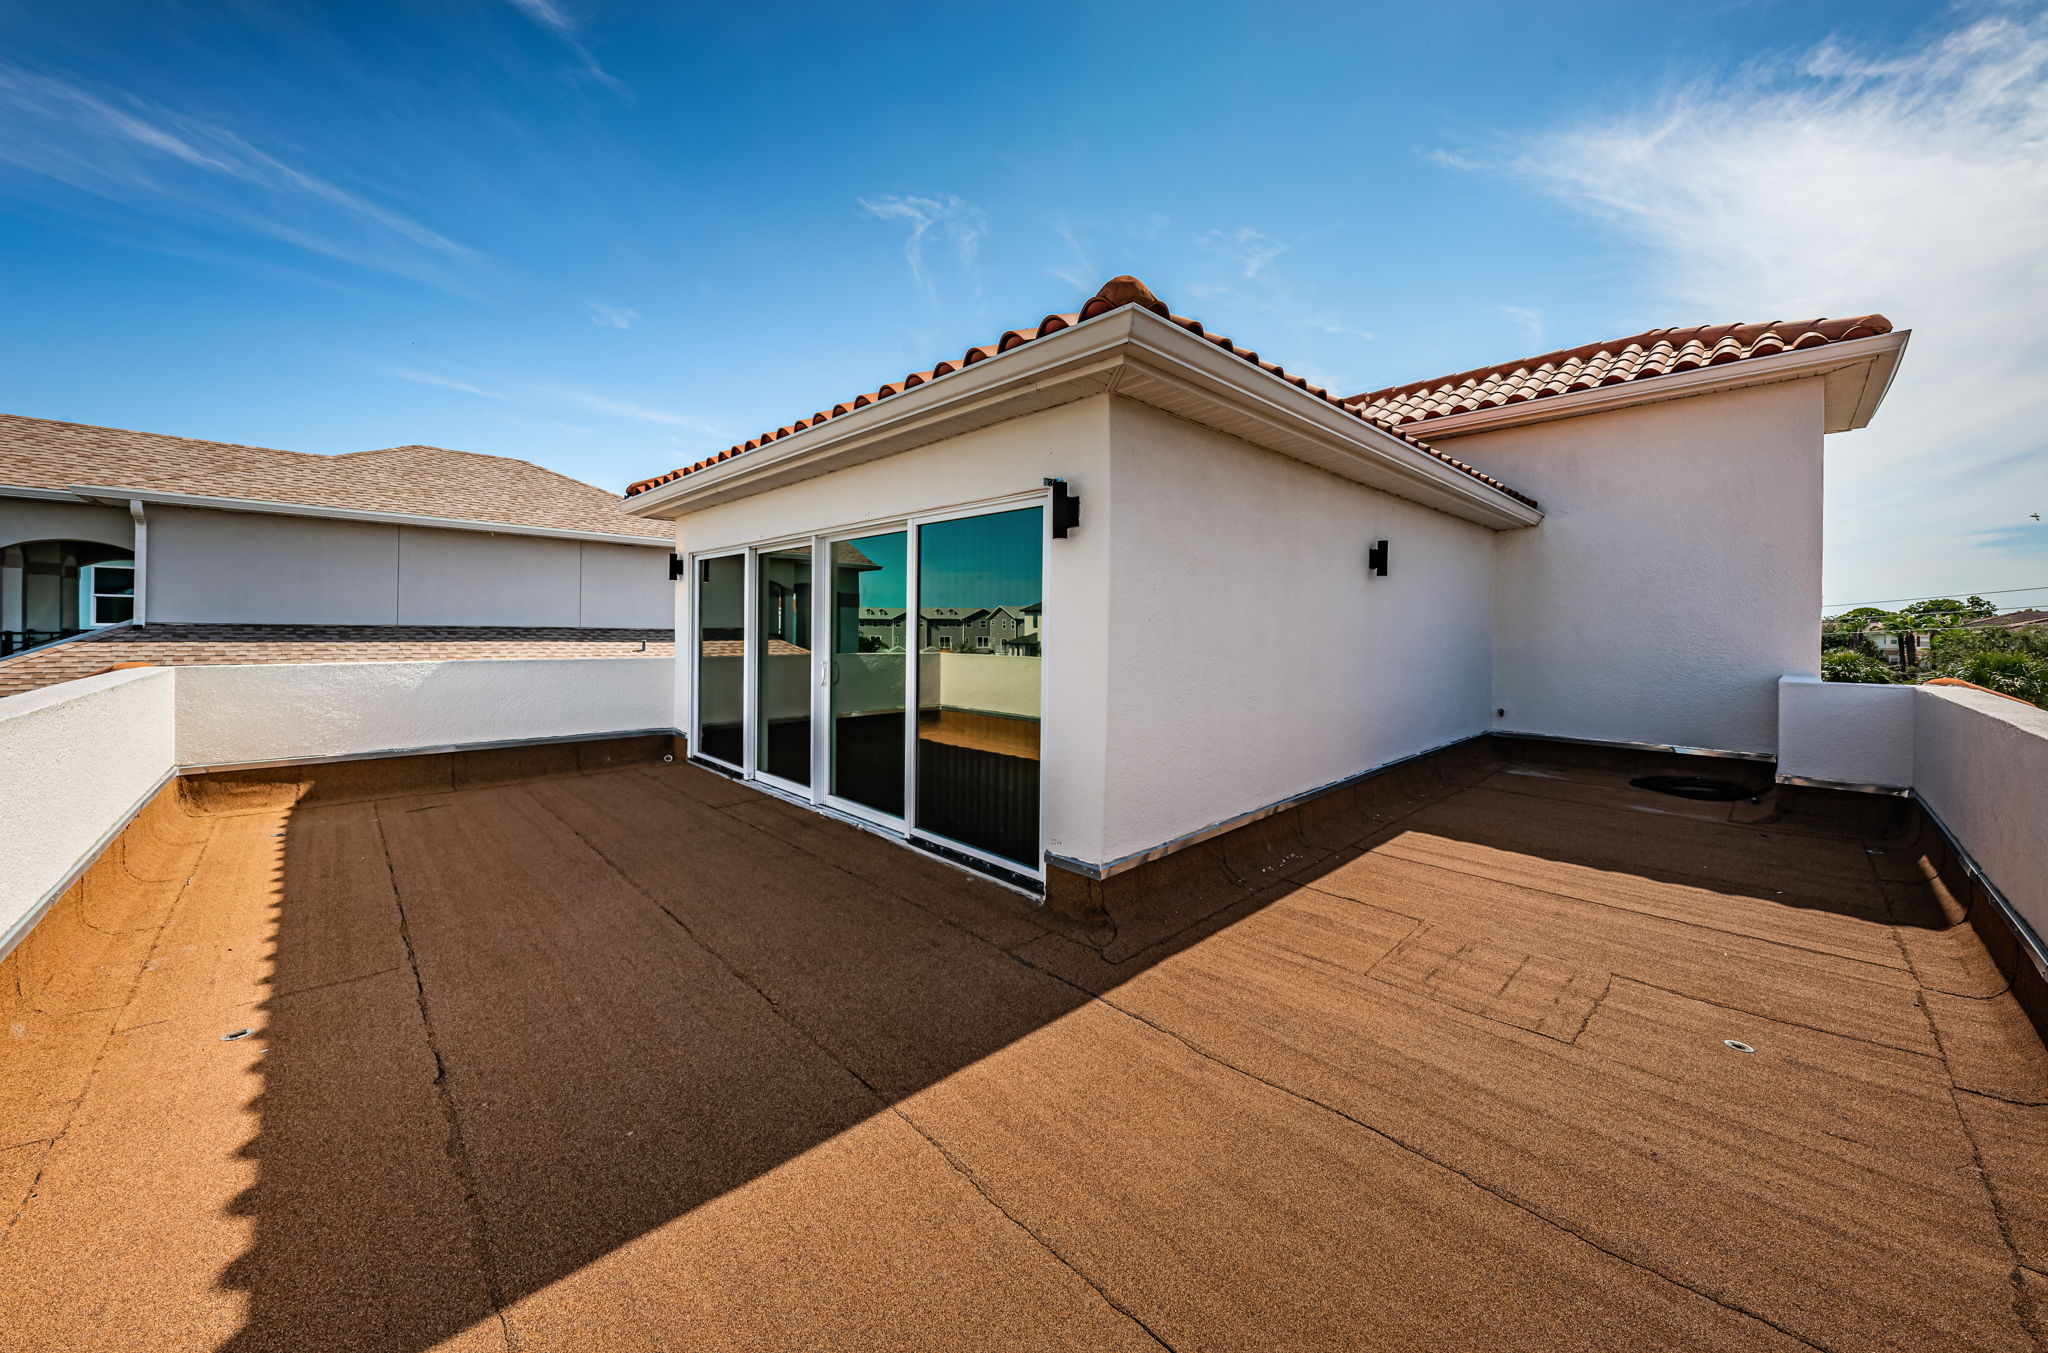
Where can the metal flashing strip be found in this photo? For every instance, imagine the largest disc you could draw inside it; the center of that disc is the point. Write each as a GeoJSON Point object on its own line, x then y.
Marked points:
{"type": "Point", "coordinates": [1639, 746]}
{"type": "Point", "coordinates": [1809, 782]}
{"type": "Point", "coordinates": [26, 922]}
{"type": "Point", "coordinates": [426, 751]}
{"type": "Point", "coordinates": [1214, 829]}
{"type": "Point", "coordinates": [2022, 929]}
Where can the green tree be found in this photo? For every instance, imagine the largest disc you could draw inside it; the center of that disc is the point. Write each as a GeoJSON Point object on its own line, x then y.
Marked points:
{"type": "Point", "coordinates": [2007, 673]}
{"type": "Point", "coordinates": [1863, 617]}
{"type": "Point", "coordinates": [1938, 611]}
{"type": "Point", "coordinates": [1846, 664]}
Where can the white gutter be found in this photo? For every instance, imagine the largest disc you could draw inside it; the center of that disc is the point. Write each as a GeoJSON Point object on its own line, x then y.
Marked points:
{"type": "Point", "coordinates": [141, 561]}
{"type": "Point", "coordinates": [1851, 404]}
{"type": "Point", "coordinates": [103, 493]}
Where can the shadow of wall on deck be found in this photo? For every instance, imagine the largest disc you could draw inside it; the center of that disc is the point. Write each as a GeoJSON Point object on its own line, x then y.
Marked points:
{"type": "Point", "coordinates": [393, 1211]}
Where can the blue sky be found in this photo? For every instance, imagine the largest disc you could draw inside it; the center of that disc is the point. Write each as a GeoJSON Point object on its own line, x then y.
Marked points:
{"type": "Point", "coordinates": [612, 237]}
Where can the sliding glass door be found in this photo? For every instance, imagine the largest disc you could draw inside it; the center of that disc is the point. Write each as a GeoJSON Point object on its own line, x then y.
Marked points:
{"type": "Point", "coordinates": [893, 675]}
{"type": "Point", "coordinates": [721, 611]}
{"type": "Point", "coordinates": [980, 601]}
{"type": "Point", "coordinates": [869, 678]}
{"type": "Point", "coordinates": [782, 665]}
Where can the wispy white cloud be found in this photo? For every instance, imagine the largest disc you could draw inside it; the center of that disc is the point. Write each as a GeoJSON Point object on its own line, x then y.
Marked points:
{"type": "Point", "coordinates": [124, 151]}
{"type": "Point", "coordinates": [957, 224]}
{"type": "Point", "coordinates": [1912, 182]}
{"type": "Point", "coordinates": [1249, 250]}
{"type": "Point", "coordinates": [1527, 319]}
{"type": "Point", "coordinates": [542, 393]}
{"type": "Point", "coordinates": [627, 409]}
{"type": "Point", "coordinates": [552, 18]}
{"type": "Point", "coordinates": [418, 377]}
{"type": "Point", "coordinates": [611, 316]}
{"type": "Point", "coordinates": [1075, 270]}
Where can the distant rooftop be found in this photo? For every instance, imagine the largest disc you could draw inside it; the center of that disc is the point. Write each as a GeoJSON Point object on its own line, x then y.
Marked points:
{"type": "Point", "coordinates": [426, 481]}
{"type": "Point", "coordinates": [233, 645]}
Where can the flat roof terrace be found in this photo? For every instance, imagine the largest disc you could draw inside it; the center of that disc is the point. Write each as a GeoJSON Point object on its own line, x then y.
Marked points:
{"type": "Point", "coordinates": [630, 1056]}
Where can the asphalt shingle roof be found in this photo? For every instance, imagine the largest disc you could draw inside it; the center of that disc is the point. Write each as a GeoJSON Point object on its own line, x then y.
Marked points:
{"type": "Point", "coordinates": [428, 481]}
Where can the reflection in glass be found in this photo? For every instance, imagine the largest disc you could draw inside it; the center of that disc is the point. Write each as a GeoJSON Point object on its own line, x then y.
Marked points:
{"type": "Point", "coordinates": [869, 651]}
{"type": "Point", "coordinates": [784, 692]}
{"type": "Point", "coordinates": [980, 639]}
{"type": "Point", "coordinates": [721, 658]}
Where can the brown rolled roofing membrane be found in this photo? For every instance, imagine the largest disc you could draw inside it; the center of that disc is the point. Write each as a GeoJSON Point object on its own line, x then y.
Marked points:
{"type": "Point", "coordinates": [566, 1049]}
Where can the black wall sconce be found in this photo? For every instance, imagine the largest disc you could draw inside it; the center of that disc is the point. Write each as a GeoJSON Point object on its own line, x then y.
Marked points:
{"type": "Point", "coordinates": [1376, 558]}
{"type": "Point", "coordinates": [1066, 509]}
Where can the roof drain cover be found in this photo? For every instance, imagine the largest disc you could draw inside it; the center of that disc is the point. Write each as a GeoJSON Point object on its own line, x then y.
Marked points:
{"type": "Point", "coordinates": [1695, 787]}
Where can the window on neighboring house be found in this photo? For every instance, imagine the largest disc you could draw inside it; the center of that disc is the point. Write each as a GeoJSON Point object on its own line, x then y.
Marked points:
{"type": "Point", "coordinates": [106, 593]}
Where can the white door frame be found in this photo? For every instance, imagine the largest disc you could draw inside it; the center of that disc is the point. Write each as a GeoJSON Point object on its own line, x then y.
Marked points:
{"type": "Point", "coordinates": [815, 793]}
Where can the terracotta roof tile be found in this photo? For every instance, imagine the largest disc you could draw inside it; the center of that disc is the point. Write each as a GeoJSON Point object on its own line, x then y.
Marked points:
{"type": "Point", "coordinates": [428, 481]}
{"type": "Point", "coordinates": [1115, 293]}
{"type": "Point", "coordinates": [235, 645]}
{"type": "Point", "coordinates": [1658, 352]}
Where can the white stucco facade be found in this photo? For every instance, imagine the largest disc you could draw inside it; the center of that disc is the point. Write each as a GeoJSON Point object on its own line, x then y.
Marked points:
{"type": "Point", "coordinates": [1214, 641]}
{"type": "Point", "coordinates": [206, 566]}
{"type": "Point", "coordinates": [1250, 654]}
{"type": "Point", "coordinates": [1676, 575]}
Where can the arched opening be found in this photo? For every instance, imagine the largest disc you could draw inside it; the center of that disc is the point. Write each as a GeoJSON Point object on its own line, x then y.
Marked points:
{"type": "Point", "coordinates": [52, 589]}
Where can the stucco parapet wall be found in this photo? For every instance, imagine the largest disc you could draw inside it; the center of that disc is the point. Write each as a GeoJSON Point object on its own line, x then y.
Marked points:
{"type": "Point", "coordinates": [1846, 735]}
{"type": "Point", "coordinates": [279, 712]}
{"type": "Point", "coordinates": [1133, 354]}
{"type": "Point", "coordinates": [76, 762]}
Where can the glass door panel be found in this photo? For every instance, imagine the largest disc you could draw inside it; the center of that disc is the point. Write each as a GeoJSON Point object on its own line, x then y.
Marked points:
{"type": "Point", "coordinates": [722, 658]}
{"type": "Point", "coordinates": [980, 641]}
{"type": "Point", "coordinates": [870, 651]}
{"type": "Point", "coordinates": [782, 691]}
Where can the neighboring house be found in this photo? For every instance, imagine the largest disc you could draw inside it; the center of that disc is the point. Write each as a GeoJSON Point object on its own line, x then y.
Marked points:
{"type": "Point", "coordinates": [1374, 572]}
{"type": "Point", "coordinates": [104, 529]}
{"type": "Point", "coordinates": [2011, 620]}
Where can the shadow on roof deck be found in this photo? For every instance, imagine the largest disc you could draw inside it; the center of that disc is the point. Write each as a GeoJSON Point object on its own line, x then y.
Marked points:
{"type": "Point", "coordinates": [640, 1058]}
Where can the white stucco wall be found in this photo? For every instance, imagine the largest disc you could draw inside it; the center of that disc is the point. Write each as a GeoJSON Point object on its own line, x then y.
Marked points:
{"type": "Point", "coordinates": [1846, 733]}
{"type": "Point", "coordinates": [1014, 457]}
{"type": "Point", "coordinates": [1251, 656]}
{"type": "Point", "coordinates": [260, 568]}
{"type": "Point", "coordinates": [1676, 575]}
{"type": "Point", "coordinates": [286, 711]}
{"type": "Point", "coordinates": [1981, 765]}
{"type": "Point", "coordinates": [75, 761]}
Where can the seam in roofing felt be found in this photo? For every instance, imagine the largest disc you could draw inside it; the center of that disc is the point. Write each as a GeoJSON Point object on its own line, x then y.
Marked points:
{"type": "Point", "coordinates": [1114, 295]}
{"type": "Point", "coordinates": [1527, 1209]}
{"type": "Point", "coordinates": [1590, 366]}
{"type": "Point", "coordinates": [892, 1105]}
{"type": "Point", "coordinates": [456, 1147]}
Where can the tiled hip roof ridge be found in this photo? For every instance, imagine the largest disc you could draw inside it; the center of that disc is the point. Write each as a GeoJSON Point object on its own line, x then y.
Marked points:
{"type": "Point", "coordinates": [1590, 366]}
{"type": "Point", "coordinates": [1113, 295]}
